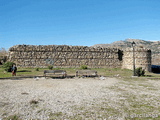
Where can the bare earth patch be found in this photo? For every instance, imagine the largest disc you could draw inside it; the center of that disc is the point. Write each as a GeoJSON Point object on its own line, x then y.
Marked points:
{"type": "Point", "coordinates": [79, 99]}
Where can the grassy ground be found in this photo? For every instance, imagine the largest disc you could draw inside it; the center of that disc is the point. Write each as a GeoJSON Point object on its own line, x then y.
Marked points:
{"type": "Point", "coordinates": [111, 72]}
{"type": "Point", "coordinates": [32, 72]}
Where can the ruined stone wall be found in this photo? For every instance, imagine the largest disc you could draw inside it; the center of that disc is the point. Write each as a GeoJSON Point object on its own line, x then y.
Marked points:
{"type": "Point", "coordinates": [142, 58]}
{"type": "Point", "coordinates": [64, 56]}
{"type": "Point", "coordinates": [75, 56]}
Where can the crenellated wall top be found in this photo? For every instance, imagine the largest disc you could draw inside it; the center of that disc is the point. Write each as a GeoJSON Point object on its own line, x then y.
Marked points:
{"type": "Point", "coordinates": [50, 48]}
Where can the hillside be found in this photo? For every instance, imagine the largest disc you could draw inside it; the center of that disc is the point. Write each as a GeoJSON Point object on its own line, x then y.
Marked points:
{"type": "Point", "coordinates": [122, 44]}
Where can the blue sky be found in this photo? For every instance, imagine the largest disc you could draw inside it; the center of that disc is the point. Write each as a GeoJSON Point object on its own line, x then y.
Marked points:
{"type": "Point", "coordinates": [77, 22]}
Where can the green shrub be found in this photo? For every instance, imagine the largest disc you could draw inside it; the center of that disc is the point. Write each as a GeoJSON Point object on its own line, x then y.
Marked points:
{"type": "Point", "coordinates": [50, 67]}
{"type": "Point", "coordinates": [8, 66]}
{"type": "Point", "coordinates": [37, 69]}
{"type": "Point", "coordinates": [139, 71]}
{"type": "Point", "coordinates": [83, 67]}
{"type": "Point", "coordinates": [57, 68]}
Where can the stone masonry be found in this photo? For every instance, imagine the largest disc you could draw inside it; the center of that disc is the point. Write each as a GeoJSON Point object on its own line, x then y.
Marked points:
{"type": "Point", "coordinates": [142, 58]}
{"type": "Point", "coordinates": [64, 56]}
{"type": "Point", "coordinates": [75, 56]}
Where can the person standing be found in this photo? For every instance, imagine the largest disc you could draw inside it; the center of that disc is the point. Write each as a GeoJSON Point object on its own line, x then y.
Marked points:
{"type": "Point", "coordinates": [14, 70]}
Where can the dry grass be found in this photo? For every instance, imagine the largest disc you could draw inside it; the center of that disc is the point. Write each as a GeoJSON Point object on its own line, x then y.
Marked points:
{"type": "Point", "coordinates": [79, 99]}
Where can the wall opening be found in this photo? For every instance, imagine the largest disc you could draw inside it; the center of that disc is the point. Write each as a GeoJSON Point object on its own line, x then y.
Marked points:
{"type": "Point", "coordinates": [120, 55]}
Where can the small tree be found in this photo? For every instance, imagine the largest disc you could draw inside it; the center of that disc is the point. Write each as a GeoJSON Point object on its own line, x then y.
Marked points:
{"type": "Point", "coordinates": [3, 52]}
{"type": "Point", "coordinates": [8, 66]}
{"type": "Point", "coordinates": [3, 55]}
{"type": "Point", "coordinates": [37, 69]}
{"type": "Point", "coordinates": [139, 71]}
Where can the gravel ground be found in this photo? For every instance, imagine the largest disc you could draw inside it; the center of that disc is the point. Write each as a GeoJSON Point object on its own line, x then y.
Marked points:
{"type": "Point", "coordinates": [78, 99]}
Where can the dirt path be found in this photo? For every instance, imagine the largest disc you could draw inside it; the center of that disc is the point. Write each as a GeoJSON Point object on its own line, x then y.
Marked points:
{"type": "Point", "coordinates": [79, 98]}
{"type": "Point", "coordinates": [53, 95]}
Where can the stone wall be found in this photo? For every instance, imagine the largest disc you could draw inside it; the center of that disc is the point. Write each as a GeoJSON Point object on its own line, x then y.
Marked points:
{"type": "Point", "coordinates": [75, 56]}
{"type": "Point", "coordinates": [65, 56]}
{"type": "Point", "coordinates": [142, 58]}
{"type": "Point", "coordinates": [156, 59]}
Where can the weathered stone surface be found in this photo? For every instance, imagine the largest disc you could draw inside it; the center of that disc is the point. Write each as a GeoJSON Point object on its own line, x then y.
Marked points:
{"type": "Point", "coordinates": [63, 56]}
{"type": "Point", "coordinates": [142, 58]}
{"type": "Point", "coordinates": [75, 56]}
